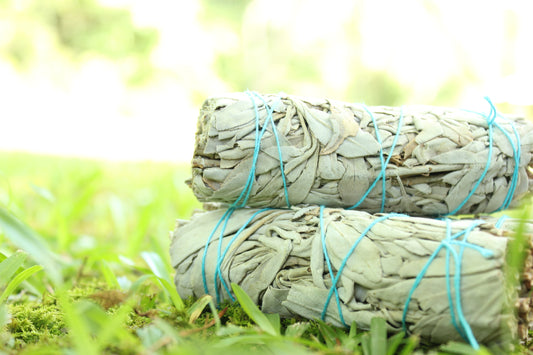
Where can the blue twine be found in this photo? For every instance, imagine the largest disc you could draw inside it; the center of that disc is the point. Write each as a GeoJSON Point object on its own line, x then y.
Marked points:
{"type": "Point", "coordinates": [280, 157]}
{"type": "Point", "coordinates": [335, 278]}
{"type": "Point", "coordinates": [227, 213]}
{"type": "Point", "coordinates": [517, 151]}
{"type": "Point", "coordinates": [456, 310]}
{"type": "Point", "coordinates": [491, 121]}
{"type": "Point", "coordinates": [499, 223]}
{"type": "Point", "coordinates": [218, 272]}
{"type": "Point", "coordinates": [328, 262]}
{"type": "Point", "coordinates": [242, 200]}
{"type": "Point", "coordinates": [245, 193]}
{"type": "Point", "coordinates": [384, 163]}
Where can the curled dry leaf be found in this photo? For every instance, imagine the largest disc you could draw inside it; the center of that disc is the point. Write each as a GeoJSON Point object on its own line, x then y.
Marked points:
{"type": "Point", "coordinates": [343, 126]}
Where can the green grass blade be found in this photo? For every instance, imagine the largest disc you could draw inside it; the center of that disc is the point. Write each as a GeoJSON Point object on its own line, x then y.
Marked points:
{"type": "Point", "coordinates": [167, 328]}
{"type": "Point", "coordinates": [87, 189]}
{"type": "Point", "coordinates": [161, 332]}
{"type": "Point", "coordinates": [410, 345]}
{"type": "Point", "coordinates": [144, 217]}
{"type": "Point", "coordinates": [137, 283]}
{"type": "Point", "coordinates": [214, 312]}
{"type": "Point", "coordinates": [118, 215]}
{"type": "Point", "coordinates": [172, 293]}
{"type": "Point", "coordinates": [25, 238]}
{"type": "Point", "coordinates": [108, 274]}
{"type": "Point", "coordinates": [79, 331]}
{"type": "Point", "coordinates": [296, 330]}
{"type": "Point", "coordinates": [9, 266]}
{"type": "Point", "coordinates": [18, 279]}
{"type": "Point", "coordinates": [247, 340]}
{"type": "Point", "coordinates": [197, 308]}
{"type": "Point", "coordinates": [112, 327]}
{"type": "Point", "coordinates": [378, 336]}
{"type": "Point", "coordinates": [275, 321]}
{"type": "Point", "coordinates": [461, 349]}
{"type": "Point", "coordinates": [253, 311]}
{"type": "Point", "coordinates": [353, 330]}
{"type": "Point", "coordinates": [168, 287]}
{"type": "Point", "coordinates": [35, 286]}
{"type": "Point", "coordinates": [328, 333]}
{"type": "Point", "coordinates": [156, 264]}
{"type": "Point", "coordinates": [517, 249]}
{"type": "Point", "coordinates": [44, 193]}
{"type": "Point", "coordinates": [365, 344]}
{"type": "Point", "coordinates": [394, 342]}
{"type": "Point", "coordinates": [4, 316]}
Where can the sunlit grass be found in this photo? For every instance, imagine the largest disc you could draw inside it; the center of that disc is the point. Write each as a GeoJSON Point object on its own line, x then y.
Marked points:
{"type": "Point", "coordinates": [84, 269]}
{"type": "Point", "coordinates": [81, 206]}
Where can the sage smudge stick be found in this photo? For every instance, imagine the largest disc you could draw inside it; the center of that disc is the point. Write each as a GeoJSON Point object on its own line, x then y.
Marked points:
{"type": "Point", "coordinates": [278, 256]}
{"type": "Point", "coordinates": [434, 161]}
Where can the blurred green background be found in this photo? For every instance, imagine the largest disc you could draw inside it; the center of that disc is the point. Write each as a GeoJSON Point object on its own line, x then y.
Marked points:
{"type": "Point", "coordinates": [123, 79]}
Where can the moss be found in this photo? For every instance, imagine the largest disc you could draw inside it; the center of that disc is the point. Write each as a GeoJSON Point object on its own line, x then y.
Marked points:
{"type": "Point", "coordinates": [136, 320]}
{"type": "Point", "coordinates": [235, 315]}
{"type": "Point", "coordinates": [34, 322]}
{"type": "Point", "coordinates": [87, 287]}
{"type": "Point", "coordinates": [42, 321]}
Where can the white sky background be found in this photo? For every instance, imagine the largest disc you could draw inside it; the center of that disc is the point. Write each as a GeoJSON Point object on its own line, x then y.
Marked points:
{"type": "Point", "coordinates": [89, 111]}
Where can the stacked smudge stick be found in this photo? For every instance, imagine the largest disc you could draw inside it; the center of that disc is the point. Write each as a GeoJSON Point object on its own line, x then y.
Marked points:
{"type": "Point", "coordinates": [344, 212]}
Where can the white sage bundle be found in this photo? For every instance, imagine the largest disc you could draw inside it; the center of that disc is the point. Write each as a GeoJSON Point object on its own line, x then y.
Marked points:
{"type": "Point", "coordinates": [420, 160]}
{"type": "Point", "coordinates": [350, 266]}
